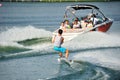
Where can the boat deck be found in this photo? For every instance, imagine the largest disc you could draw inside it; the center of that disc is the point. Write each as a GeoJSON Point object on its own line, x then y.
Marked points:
{"type": "Point", "coordinates": [71, 31]}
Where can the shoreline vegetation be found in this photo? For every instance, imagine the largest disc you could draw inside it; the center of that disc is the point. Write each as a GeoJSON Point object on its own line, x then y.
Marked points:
{"type": "Point", "coordinates": [58, 0]}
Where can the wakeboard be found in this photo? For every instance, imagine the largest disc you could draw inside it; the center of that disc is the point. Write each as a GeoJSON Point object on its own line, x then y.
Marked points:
{"type": "Point", "coordinates": [65, 61]}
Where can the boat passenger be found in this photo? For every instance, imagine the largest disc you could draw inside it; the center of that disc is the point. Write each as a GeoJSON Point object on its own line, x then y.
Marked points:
{"type": "Point", "coordinates": [66, 24]}
{"type": "Point", "coordinates": [85, 21]}
{"type": "Point", "coordinates": [78, 21]}
{"type": "Point", "coordinates": [90, 24]}
{"type": "Point", "coordinates": [62, 26]}
{"type": "Point", "coordinates": [94, 19]}
{"type": "Point", "coordinates": [83, 24]}
{"type": "Point", "coordinates": [86, 24]}
{"type": "Point", "coordinates": [76, 24]}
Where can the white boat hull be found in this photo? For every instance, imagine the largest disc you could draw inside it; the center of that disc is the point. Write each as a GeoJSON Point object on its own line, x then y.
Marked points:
{"type": "Point", "coordinates": [69, 34]}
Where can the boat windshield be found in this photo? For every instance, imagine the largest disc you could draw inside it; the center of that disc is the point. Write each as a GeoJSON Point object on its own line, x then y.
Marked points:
{"type": "Point", "coordinates": [71, 14]}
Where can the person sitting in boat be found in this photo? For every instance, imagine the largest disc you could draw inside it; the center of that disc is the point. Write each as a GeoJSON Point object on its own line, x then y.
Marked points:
{"type": "Point", "coordinates": [89, 25]}
{"type": "Point", "coordinates": [66, 24]}
{"type": "Point", "coordinates": [84, 23]}
{"type": "Point", "coordinates": [62, 26]}
{"type": "Point", "coordinates": [94, 19]}
{"type": "Point", "coordinates": [76, 24]}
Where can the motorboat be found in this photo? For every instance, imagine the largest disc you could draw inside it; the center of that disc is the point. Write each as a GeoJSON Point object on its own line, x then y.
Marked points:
{"type": "Point", "coordinates": [89, 17]}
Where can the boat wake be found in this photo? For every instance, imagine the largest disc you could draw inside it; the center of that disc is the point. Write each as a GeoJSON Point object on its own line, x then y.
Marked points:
{"type": "Point", "coordinates": [99, 51]}
{"type": "Point", "coordinates": [40, 40]}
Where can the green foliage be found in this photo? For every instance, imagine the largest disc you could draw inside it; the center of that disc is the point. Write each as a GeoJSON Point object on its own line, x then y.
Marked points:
{"type": "Point", "coordinates": [57, 0]}
{"type": "Point", "coordinates": [71, 0]}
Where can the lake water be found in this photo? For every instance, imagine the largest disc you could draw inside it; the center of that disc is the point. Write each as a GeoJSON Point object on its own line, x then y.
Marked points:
{"type": "Point", "coordinates": [22, 24]}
